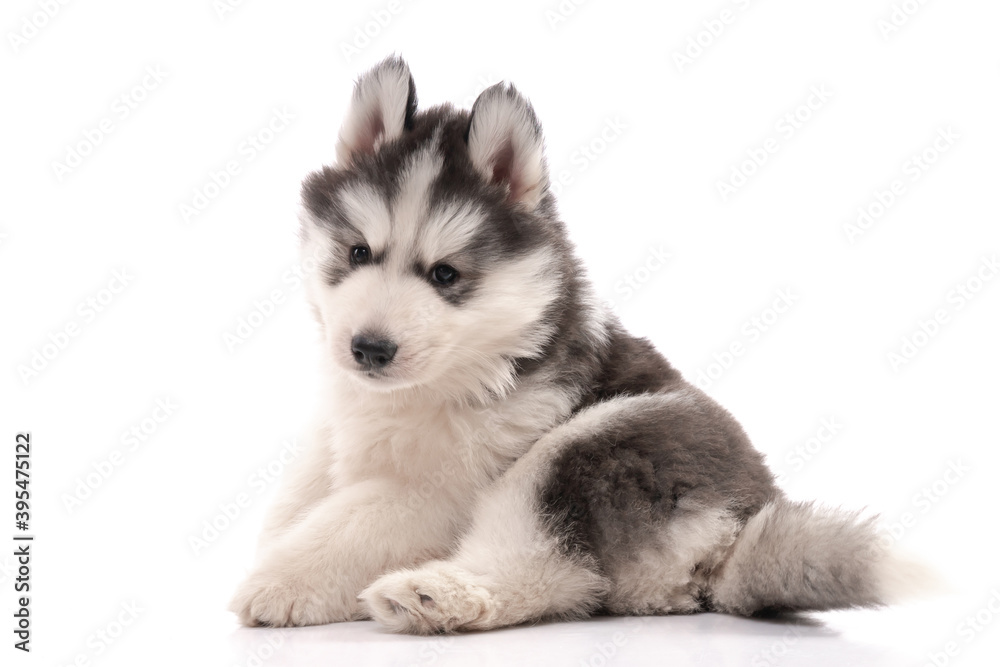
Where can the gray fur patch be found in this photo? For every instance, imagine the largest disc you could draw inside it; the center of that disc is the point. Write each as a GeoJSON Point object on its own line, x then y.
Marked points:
{"type": "Point", "coordinates": [608, 492]}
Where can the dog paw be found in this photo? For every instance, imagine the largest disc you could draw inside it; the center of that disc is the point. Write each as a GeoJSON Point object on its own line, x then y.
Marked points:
{"type": "Point", "coordinates": [434, 599]}
{"type": "Point", "coordinates": [270, 602]}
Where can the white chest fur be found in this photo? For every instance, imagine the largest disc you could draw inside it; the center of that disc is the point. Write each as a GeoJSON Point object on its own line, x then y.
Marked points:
{"type": "Point", "coordinates": [456, 449]}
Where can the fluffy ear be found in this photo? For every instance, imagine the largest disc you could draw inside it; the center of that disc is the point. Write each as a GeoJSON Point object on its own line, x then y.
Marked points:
{"type": "Point", "coordinates": [505, 144]}
{"type": "Point", "coordinates": [383, 105]}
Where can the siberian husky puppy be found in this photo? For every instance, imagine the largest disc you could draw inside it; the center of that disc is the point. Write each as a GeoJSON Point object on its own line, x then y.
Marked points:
{"type": "Point", "coordinates": [493, 447]}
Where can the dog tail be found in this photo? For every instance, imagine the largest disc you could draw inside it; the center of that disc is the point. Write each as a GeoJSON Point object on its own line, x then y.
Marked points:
{"type": "Point", "coordinates": [794, 556]}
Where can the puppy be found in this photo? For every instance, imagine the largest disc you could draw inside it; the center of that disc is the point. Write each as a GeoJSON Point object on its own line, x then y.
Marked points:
{"type": "Point", "coordinates": [493, 447]}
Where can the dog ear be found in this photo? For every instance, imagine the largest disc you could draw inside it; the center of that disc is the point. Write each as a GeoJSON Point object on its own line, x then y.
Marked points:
{"type": "Point", "coordinates": [505, 144]}
{"type": "Point", "coordinates": [383, 105]}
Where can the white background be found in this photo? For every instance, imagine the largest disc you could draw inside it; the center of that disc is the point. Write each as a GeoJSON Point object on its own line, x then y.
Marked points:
{"type": "Point", "coordinates": [661, 134]}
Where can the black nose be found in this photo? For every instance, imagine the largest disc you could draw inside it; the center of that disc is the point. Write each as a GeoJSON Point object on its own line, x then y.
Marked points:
{"type": "Point", "coordinates": [371, 352]}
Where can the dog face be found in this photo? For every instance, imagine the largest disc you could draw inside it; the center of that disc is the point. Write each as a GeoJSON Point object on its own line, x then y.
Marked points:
{"type": "Point", "coordinates": [439, 258]}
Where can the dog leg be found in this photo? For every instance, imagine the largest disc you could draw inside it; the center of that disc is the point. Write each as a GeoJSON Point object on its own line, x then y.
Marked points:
{"type": "Point", "coordinates": [313, 575]}
{"type": "Point", "coordinates": [509, 570]}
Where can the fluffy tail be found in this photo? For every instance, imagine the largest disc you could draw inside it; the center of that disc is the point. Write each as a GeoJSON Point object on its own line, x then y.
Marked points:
{"type": "Point", "coordinates": [798, 557]}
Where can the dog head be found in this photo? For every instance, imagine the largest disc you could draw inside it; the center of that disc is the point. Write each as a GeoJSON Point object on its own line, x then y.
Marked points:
{"type": "Point", "coordinates": [440, 261]}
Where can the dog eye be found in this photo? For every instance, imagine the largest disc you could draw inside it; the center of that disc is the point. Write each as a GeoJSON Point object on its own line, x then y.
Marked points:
{"type": "Point", "coordinates": [360, 254]}
{"type": "Point", "coordinates": [443, 274]}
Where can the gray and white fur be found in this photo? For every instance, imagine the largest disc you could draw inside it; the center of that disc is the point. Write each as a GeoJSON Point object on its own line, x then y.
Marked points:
{"type": "Point", "coordinates": [493, 447]}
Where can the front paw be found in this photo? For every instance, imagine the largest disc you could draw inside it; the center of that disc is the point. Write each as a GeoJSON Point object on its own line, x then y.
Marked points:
{"type": "Point", "coordinates": [272, 601]}
{"type": "Point", "coordinates": [436, 598]}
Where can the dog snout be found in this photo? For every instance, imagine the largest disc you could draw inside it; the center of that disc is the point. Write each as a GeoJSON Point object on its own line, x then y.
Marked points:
{"type": "Point", "coordinates": [372, 353]}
